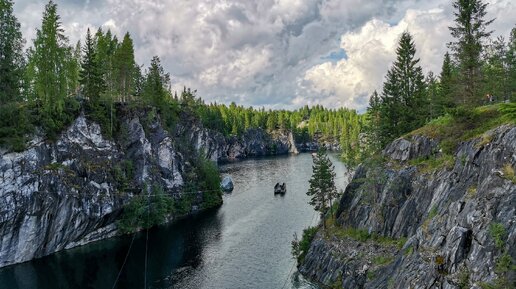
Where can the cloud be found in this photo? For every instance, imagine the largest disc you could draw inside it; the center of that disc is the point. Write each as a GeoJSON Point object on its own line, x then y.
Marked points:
{"type": "Point", "coordinates": [276, 53]}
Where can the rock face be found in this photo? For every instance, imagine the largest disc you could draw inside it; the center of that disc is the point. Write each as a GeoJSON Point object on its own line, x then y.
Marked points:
{"type": "Point", "coordinates": [253, 143]}
{"type": "Point", "coordinates": [446, 217]}
{"type": "Point", "coordinates": [62, 194]}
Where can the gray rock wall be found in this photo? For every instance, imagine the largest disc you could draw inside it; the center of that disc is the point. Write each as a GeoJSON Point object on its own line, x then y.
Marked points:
{"type": "Point", "coordinates": [58, 195]}
{"type": "Point", "coordinates": [445, 216]}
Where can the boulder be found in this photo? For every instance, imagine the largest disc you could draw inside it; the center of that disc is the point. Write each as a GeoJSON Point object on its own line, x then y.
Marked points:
{"type": "Point", "coordinates": [227, 184]}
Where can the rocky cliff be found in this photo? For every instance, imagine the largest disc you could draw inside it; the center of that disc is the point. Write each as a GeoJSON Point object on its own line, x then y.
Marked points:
{"type": "Point", "coordinates": [69, 192]}
{"type": "Point", "coordinates": [422, 219]}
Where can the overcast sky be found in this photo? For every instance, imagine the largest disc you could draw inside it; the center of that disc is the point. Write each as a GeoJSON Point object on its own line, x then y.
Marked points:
{"type": "Point", "coordinates": [272, 53]}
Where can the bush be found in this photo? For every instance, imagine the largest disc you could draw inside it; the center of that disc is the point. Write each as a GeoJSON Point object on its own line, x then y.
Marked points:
{"type": "Point", "coordinates": [499, 234]}
{"type": "Point", "coordinates": [103, 112]}
{"type": "Point", "coordinates": [304, 244]}
{"type": "Point", "coordinates": [146, 211]}
{"type": "Point", "coordinates": [15, 125]}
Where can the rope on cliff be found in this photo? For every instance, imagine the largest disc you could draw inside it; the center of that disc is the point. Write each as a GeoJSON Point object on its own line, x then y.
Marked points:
{"type": "Point", "coordinates": [125, 260]}
{"type": "Point", "coordinates": [147, 238]}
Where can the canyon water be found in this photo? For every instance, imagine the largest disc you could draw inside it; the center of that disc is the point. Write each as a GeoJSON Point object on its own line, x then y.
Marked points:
{"type": "Point", "coordinates": [246, 243]}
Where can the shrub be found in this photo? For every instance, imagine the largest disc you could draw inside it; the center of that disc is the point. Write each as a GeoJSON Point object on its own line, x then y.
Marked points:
{"type": "Point", "coordinates": [146, 211]}
{"type": "Point", "coordinates": [15, 125]}
{"type": "Point", "coordinates": [499, 234]}
{"type": "Point", "coordinates": [304, 243]}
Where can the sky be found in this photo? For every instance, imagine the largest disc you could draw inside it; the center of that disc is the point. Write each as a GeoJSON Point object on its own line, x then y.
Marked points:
{"type": "Point", "coordinates": [281, 54]}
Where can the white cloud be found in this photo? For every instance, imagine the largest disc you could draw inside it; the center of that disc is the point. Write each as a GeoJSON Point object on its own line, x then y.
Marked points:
{"type": "Point", "coordinates": [371, 50]}
{"type": "Point", "coordinates": [269, 52]}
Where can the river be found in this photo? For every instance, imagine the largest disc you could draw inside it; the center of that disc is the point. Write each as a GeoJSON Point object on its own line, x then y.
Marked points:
{"type": "Point", "coordinates": [243, 244]}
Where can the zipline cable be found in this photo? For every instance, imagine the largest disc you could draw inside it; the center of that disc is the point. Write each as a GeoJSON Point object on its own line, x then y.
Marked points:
{"type": "Point", "coordinates": [125, 260]}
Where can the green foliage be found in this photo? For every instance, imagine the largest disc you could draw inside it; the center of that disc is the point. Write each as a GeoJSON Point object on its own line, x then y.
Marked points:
{"type": "Point", "coordinates": [322, 183]}
{"type": "Point", "coordinates": [103, 112]}
{"type": "Point", "coordinates": [499, 234]}
{"type": "Point", "coordinates": [433, 212]}
{"type": "Point", "coordinates": [146, 211]}
{"type": "Point", "coordinates": [382, 260]}
{"type": "Point", "coordinates": [54, 122]}
{"type": "Point", "coordinates": [11, 54]}
{"type": "Point", "coordinates": [300, 248]}
{"type": "Point", "coordinates": [48, 63]}
{"type": "Point", "coordinates": [470, 31]}
{"type": "Point", "coordinates": [504, 265]}
{"type": "Point", "coordinates": [91, 75]}
{"type": "Point", "coordinates": [209, 181]}
{"type": "Point", "coordinates": [461, 124]}
{"type": "Point", "coordinates": [15, 125]}
{"type": "Point", "coordinates": [155, 85]}
{"type": "Point", "coordinates": [123, 173]}
{"type": "Point", "coordinates": [401, 107]}
{"type": "Point", "coordinates": [432, 164]}
{"type": "Point", "coordinates": [509, 173]}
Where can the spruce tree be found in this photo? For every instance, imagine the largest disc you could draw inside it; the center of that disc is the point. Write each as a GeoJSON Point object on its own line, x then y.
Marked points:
{"type": "Point", "coordinates": [511, 65]}
{"type": "Point", "coordinates": [156, 83]}
{"type": "Point", "coordinates": [91, 75]}
{"type": "Point", "coordinates": [322, 184]}
{"type": "Point", "coordinates": [47, 62]}
{"type": "Point", "coordinates": [470, 31]}
{"type": "Point", "coordinates": [495, 70]}
{"type": "Point", "coordinates": [124, 66]}
{"type": "Point", "coordinates": [11, 57]}
{"type": "Point", "coordinates": [446, 83]}
{"type": "Point", "coordinates": [403, 105]}
{"type": "Point", "coordinates": [433, 97]}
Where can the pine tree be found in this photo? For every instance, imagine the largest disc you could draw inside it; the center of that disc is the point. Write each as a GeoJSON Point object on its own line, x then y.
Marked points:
{"type": "Point", "coordinates": [47, 62]}
{"type": "Point", "coordinates": [11, 57]}
{"type": "Point", "coordinates": [91, 76]}
{"type": "Point", "coordinates": [469, 33]}
{"type": "Point", "coordinates": [322, 184]}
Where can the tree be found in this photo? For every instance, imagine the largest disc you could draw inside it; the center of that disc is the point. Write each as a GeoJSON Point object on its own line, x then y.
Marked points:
{"type": "Point", "coordinates": [74, 69]}
{"type": "Point", "coordinates": [446, 83]}
{"type": "Point", "coordinates": [511, 63]}
{"type": "Point", "coordinates": [469, 33]}
{"type": "Point", "coordinates": [156, 83]}
{"type": "Point", "coordinates": [402, 107]}
{"type": "Point", "coordinates": [433, 98]}
{"type": "Point", "coordinates": [47, 62]}
{"type": "Point", "coordinates": [11, 57]}
{"type": "Point", "coordinates": [124, 68]}
{"type": "Point", "coordinates": [91, 76]}
{"type": "Point", "coordinates": [322, 184]}
{"type": "Point", "coordinates": [495, 69]}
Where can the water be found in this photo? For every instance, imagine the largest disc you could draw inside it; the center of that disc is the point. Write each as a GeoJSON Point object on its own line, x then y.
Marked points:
{"type": "Point", "coordinates": [243, 244]}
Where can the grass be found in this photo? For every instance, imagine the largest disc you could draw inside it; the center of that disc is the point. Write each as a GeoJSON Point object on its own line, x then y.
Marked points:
{"type": "Point", "coordinates": [382, 260]}
{"type": "Point", "coordinates": [499, 234]}
{"type": "Point", "coordinates": [431, 164]}
{"type": "Point", "coordinates": [462, 124]}
{"type": "Point", "coordinates": [361, 235]}
{"type": "Point", "coordinates": [508, 173]}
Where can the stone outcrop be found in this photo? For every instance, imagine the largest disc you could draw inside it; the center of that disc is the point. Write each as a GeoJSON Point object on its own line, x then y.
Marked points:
{"type": "Point", "coordinates": [62, 194]}
{"type": "Point", "coordinates": [455, 220]}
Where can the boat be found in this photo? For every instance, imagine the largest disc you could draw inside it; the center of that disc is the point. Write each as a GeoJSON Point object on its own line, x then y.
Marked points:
{"type": "Point", "coordinates": [280, 189]}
